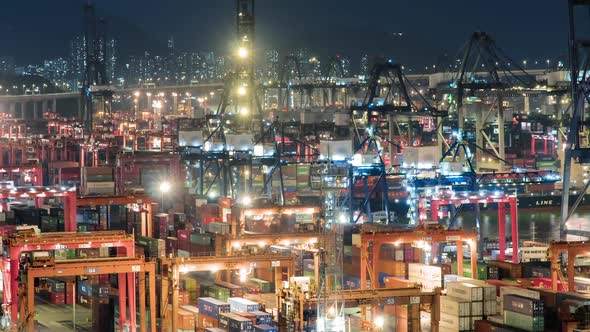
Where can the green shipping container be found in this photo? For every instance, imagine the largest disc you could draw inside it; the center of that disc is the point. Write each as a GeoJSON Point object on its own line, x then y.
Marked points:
{"type": "Point", "coordinates": [482, 270]}
{"type": "Point", "coordinates": [216, 292]}
{"type": "Point", "coordinates": [203, 239]}
{"type": "Point", "coordinates": [263, 285]}
{"type": "Point", "coordinates": [525, 322]}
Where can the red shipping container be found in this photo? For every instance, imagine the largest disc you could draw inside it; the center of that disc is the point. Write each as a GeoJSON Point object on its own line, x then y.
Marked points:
{"type": "Point", "coordinates": [57, 298]}
{"type": "Point", "coordinates": [103, 279]}
{"type": "Point", "coordinates": [184, 241]}
{"type": "Point", "coordinates": [208, 220]}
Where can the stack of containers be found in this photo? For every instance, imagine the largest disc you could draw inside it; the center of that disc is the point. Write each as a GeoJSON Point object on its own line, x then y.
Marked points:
{"type": "Point", "coordinates": [465, 303]}
{"type": "Point", "coordinates": [56, 291]}
{"type": "Point", "coordinates": [225, 209]}
{"type": "Point", "coordinates": [214, 329]}
{"type": "Point", "coordinates": [191, 286]}
{"type": "Point", "coordinates": [523, 312]}
{"type": "Point", "coordinates": [218, 228]}
{"type": "Point", "coordinates": [238, 304]}
{"type": "Point", "coordinates": [161, 225]}
{"type": "Point", "coordinates": [455, 314]}
{"type": "Point", "coordinates": [209, 311]}
{"type": "Point", "coordinates": [185, 321]}
{"type": "Point", "coordinates": [184, 242]}
{"type": "Point", "coordinates": [428, 275]}
{"type": "Point", "coordinates": [262, 318]}
{"type": "Point", "coordinates": [240, 324]}
{"type": "Point", "coordinates": [201, 243]}
{"type": "Point", "coordinates": [171, 245]}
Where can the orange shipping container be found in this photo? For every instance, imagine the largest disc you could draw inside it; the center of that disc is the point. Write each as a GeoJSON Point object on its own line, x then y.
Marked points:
{"type": "Point", "coordinates": [186, 320]}
{"type": "Point", "coordinates": [206, 322]}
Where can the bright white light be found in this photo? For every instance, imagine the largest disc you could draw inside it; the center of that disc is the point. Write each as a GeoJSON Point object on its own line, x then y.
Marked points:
{"type": "Point", "coordinates": [165, 186]}
{"type": "Point", "coordinates": [244, 111]}
{"type": "Point", "coordinates": [241, 91]}
{"type": "Point", "coordinates": [379, 322]}
{"type": "Point", "coordinates": [343, 219]}
{"type": "Point", "coordinates": [243, 52]}
{"type": "Point", "coordinates": [243, 275]}
{"type": "Point", "coordinates": [212, 194]}
{"type": "Point", "coordinates": [246, 200]}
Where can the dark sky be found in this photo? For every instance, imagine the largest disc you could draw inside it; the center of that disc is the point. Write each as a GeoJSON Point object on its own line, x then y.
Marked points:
{"type": "Point", "coordinates": [36, 29]}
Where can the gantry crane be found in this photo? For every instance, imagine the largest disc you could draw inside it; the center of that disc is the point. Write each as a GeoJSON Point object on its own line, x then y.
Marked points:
{"type": "Point", "coordinates": [125, 268]}
{"type": "Point", "coordinates": [172, 267]}
{"type": "Point", "coordinates": [484, 70]}
{"type": "Point", "coordinates": [299, 300]}
{"type": "Point", "coordinates": [576, 146]}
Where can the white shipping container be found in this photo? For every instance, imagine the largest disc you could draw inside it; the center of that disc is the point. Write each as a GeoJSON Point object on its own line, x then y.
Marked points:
{"type": "Point", "coordinates": [490, 307]}
{"type": "Point", "coordinates": [454, 306]}
{"type": "Point", "coordinates": [238, 304]}
{"type": "Point", "coordinates": [476, 308]}
{"type": "Point", "coordinates": [454, 323]}
{"type": "Point", "coordinates": [465, 291]}
{"type": "Point", "coordinates": [427, 284]}
{"type": "Point", "coordinates": [519, 291]}
{"type": "Point", "coordinates": [425, 271]}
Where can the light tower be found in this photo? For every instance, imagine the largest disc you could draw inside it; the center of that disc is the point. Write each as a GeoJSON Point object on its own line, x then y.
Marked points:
{"type": "Point", "coordinates": [244, 54]}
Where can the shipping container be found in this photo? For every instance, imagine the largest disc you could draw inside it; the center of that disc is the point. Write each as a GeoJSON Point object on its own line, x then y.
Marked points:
{"type": "Point", "coordinates": [453, 323]}
{"type": "Point", "coordinates": [488, 326]}
{"type": "Point", "coordinates": [525, 322]}
{"type": "Point", "coordinates": [265, 328]}
{"type": "Point", "coordinates": [465, 291]}
{"type": "Point", "coordinates": [240, 324]}
{"type": "Point", "coordinates": [238, 304]}
{"type": "Point", "coordinates": [523, 305]}
{"type": "Point", "coordinates": [206, 321]}
{"type": "Point", "coordinates": [455, 306]}
{"type": "Point", "coordinates": [212, 307]}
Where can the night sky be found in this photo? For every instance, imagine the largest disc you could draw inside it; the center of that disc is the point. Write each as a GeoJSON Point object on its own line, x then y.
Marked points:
{"type": "Point", "coordinates": [38, 29]}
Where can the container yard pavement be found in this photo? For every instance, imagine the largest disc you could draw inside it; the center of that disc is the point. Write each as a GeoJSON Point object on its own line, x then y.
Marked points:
{"type": "Point", "coordinates": [51, 317]}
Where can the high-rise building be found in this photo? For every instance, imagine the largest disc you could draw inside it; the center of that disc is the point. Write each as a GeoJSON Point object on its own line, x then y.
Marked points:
{"type": "Point", "coordinates": [55, 70]}
{"type": "Point", "coordinates": [6, 65]}
{"type": "Point", "coordinates": [364, 68]}
{"type": "Point", "coordinates": [271, 65]}
{"type": "Point", "coordinates": [346, 70]}
{"type": "Point", "coordinates": [77, 57]}
{"type": "Point", "coordinates": [112, 57]}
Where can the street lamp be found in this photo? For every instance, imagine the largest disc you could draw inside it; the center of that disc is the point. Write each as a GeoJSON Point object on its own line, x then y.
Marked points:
{"type": "Point", "coordinates": [165, 187]}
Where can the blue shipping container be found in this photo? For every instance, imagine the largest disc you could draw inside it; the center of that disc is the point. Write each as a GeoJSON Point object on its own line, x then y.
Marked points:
{"type": "Point", "coordinates": [84, 288]}
{"type": "Point", "coordinates": [212, 307]}
{"type": "Point", "coordinates": [262, 318]}
{"type": "Point", "coordinates": [265, 328]}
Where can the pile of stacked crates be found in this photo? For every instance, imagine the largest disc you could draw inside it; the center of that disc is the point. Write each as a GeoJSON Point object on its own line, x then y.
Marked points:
{"type": "Point", "coordinates": [465, 303]}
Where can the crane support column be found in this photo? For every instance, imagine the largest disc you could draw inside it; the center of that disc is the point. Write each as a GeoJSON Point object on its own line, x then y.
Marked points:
{"type": "Point", "coordinates": [142, 318]}
{"type": "Point", "coordinates": [501, 136]}
{"type": "Point", "coordinates": [502, 230]}
{"type": "Point", "coordinates": [514, 225]}
{"type": "Point", "coordinates": [459, 245]}
{"type": "Point", "coordinates": [122, 283]}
